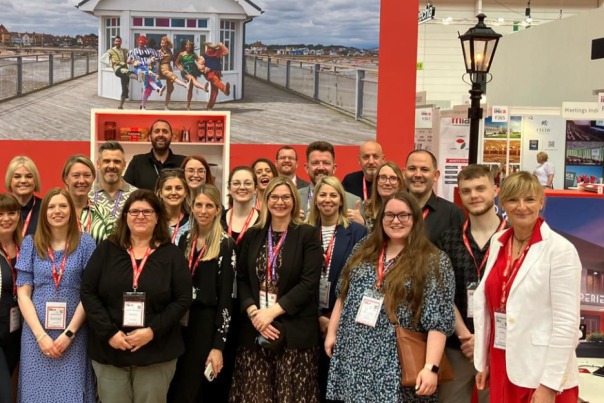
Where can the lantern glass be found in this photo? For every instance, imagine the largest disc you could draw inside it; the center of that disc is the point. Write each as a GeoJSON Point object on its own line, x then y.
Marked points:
{"type": "Point", "coordinates": [483, 54]}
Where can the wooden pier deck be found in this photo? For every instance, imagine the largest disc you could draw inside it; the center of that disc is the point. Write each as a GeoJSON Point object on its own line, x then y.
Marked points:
{"type": "Point", "coordinates": [267, 115]}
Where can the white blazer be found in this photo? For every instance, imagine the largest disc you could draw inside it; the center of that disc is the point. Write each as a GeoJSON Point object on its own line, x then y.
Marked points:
{"type": "Point", "coordinates": [543, 315]}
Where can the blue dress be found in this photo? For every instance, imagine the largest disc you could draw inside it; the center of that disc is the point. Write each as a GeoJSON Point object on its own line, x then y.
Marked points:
{"type": "Point", "coordinates": [42, 379]}
{"type": "Point", "coordinates": [365, 365]}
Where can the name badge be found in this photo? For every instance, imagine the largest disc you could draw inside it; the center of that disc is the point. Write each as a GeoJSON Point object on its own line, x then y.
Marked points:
{"type": "Point", "coordinates": [134, 309]}
{"type": "Point", "coordinates": [56, 316]}
{"type": "Point", "coordinates": [194, 293]}
{"type": "Point", "coordinates": [15, 319]}
{"type": "Point", "coordinates": [471, 289]}
{"type": "Point", "coordinates": [500, 330]}
{"type": "Point", "coordinates": [267, 302]}
{"type": "Point", "coordinates": [369, 311]}
{"type": "Point", "coordinates": [324, 287]}
{"type": "Point", "coordinates": [184, 321]}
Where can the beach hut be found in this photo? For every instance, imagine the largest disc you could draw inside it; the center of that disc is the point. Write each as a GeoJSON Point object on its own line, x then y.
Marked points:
{"type": "Point", "coordinates": [201, 21]}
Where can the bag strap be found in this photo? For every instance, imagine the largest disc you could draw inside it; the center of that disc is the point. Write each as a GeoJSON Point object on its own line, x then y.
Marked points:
{"type": "Point", "coordinates": [393, 318]}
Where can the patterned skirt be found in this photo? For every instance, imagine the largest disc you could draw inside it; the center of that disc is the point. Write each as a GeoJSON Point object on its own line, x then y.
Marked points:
{"type": "Point", "coordinates": [262, 376]}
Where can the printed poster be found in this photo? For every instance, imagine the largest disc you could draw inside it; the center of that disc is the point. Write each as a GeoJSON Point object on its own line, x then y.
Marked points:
{"type": "Point", "coordinates": [453, 154]}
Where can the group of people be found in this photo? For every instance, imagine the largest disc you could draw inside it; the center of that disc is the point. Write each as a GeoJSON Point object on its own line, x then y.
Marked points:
{"type": "Point", "coordinates": [150, 66]}
{"type": "Point", "coordinates": [145, 288]}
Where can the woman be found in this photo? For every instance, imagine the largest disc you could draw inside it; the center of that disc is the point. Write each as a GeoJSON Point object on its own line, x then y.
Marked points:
{"type": "Point", "coordinates": [173, 193]}
{"type": "Point", "coordinates": [242, 215]}
{"type": "Point", "coordinates": [54, 363]}
{"type": "Point", "coordinates": [78, 176]}
{"type": "Point", "coordinates": [165, 69]}
{"type": "Point", "coordinates": [135, 290]}
{"type": "Point", "coordinates": [265, 171]}
{"type": "Point", "coordinates": [338, 237]}
{"type": "Point", "coordinates": [23, 179]}
{"type": "Point", "coordinates": [278, 274]}
{"type": "Point", "coordinates": [389, 180]}
{"type": "Point", "coordinates": [197, 172]}
{"type": "Point", "coordinates": [400, 270]}
{"type": "Point", "coordinates": [190, 66]}
{"type": "Point", "coordinates": [502, 172]}
{"type": "Point", "coordinates": [529, 264]}
{"type": "Point", "coordinates": [211, 255]}
{"type": "Point", "coordinates": [10, 316]}
{"type": "Point", "coordinates": [545, 170]}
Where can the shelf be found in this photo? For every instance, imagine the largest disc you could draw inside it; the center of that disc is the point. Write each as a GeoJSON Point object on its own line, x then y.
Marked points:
{"type": "Point", "coordinates": [174, 143]}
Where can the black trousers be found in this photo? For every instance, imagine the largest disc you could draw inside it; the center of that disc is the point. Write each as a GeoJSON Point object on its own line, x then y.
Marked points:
{"type": "Point", "coordinates": [9, 357]}
{"type": "Point", "coordinates": [124, 76]}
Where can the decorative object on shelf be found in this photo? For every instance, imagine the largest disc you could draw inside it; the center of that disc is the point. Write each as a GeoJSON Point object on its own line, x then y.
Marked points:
{"type": "Point", "coordinates": [201, 131]}
{"type": "Point", "coordinates": [110, 132]}
{"type": "Point", "coordinates": [210, 131]}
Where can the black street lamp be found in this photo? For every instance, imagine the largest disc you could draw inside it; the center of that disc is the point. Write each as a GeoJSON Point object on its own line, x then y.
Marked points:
{"type": "Point", "coordinates": [478, 45]}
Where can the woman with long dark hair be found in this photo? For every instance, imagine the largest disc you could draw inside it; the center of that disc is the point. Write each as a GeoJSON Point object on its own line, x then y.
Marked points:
{"type": "Point", "coordinates": [174, 196]}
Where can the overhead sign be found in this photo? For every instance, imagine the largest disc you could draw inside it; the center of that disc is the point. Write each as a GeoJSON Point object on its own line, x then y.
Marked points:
{"type": "Point", "coordinates": [427, 14]}
{"type": "Point", "coordinates": [423, 118]}
{"type": "Point", "coordinates": [501, 114]}
{"type": "Point", "coordinates": [582, 111]}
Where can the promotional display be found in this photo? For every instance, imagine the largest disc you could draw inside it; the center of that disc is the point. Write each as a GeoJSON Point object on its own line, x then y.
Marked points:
{"type": "Point", "coordinates": [502, 143]}
{"type": "Point", "coordinates": [452, 153]}
{"type": "Point", "coordinates": [584, 153]}
{"type": "Point", "coordinates": [424, 119]}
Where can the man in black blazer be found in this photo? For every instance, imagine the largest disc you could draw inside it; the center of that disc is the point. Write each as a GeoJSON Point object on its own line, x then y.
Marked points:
{"type": "Point", "coordinates": [287, 163]}
{"type": "Point", "coordinates": [360, 183]}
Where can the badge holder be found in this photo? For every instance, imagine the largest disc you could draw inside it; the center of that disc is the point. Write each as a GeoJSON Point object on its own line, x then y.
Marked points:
{"type": "Point", "coordinates": [324, 287]}
{"type": "Point", "coordinates": [267, 299]}
{"type": "Point", "coordinates": [499, 341]}
{"type": "Point", "coordinates": [470, 292]}
{"type": "Point", "coordinates": [56, 316]}
{"type": "Point", "coordinates": [15, 319]}
{"type": "Point", "coordinates": [134, 309]}
{"type": "Point", "coordinates": [369, 311]}
{"type": "Point", "coordinates": [184, 321]}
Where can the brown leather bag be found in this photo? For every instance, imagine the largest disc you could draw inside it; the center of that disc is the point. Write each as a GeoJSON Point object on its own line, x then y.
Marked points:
{"type": "Point", "coordinates": [412, 348]}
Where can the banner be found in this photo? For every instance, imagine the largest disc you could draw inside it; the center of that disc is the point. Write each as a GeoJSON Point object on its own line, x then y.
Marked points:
{"type": "Point", "coordinates": [453, 154]}
{"type": "Point", "coordinates": [544, 134]}
{"type": "Point", "coordinates": [424, 140]}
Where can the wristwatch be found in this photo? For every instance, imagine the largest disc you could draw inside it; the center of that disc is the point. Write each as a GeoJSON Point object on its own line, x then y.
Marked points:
{"type": "Point", "coordinates": [69, 334]}
{"type": "Point", "coordinates": [432, 367]}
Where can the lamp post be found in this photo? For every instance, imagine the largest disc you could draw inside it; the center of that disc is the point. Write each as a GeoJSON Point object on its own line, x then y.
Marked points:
{"type": "Point", "coordinates": [478, 45]}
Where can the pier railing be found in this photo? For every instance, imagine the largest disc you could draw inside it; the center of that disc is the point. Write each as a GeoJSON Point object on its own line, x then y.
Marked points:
{"type": "Point", "coordinates": [22, 74]}
{"type": "Point", "coordinates": [349, 89]}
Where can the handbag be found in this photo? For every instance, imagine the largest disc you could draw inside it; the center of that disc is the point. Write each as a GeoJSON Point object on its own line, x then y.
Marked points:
{"type": "Point", "coordinates": [412, 348]}
{"type": "Point", "coordinates": [276, 345]}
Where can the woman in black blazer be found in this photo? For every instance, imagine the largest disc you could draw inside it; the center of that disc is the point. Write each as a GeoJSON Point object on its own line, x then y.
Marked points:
{"type": "Point", "coordinates": [279, 296]}
{"type": "Point", "coordinates": [338, 237]}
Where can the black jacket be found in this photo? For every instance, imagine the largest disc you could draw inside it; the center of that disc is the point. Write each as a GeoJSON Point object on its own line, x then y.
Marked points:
{"type": "Point", "coordinates": [144, 169]}
{"type": "Point", "coordinates": [302, 260]}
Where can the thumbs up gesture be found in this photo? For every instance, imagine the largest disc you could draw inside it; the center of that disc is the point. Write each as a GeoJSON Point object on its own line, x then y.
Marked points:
{"type": "Point", "coordinates": [355, 214]}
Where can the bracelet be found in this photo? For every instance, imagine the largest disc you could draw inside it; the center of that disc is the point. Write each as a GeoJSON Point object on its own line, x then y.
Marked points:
{"type": "Point", "coordinates": [249, 315]}
{"type": "Point", "coordinates": [39, 339]}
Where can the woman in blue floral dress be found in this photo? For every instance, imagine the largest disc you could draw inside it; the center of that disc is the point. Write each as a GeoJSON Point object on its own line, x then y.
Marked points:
{"type": "Point", "coordinates": [396, 269]}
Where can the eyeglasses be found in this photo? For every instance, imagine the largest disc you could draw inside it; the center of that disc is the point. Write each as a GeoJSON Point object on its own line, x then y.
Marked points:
{"type": "Point", "coordinates": [285, 198]}
{"type": "Point", "coordinates": [192, 171]}
{"type": "Point", "coordinates": [136, 213]}
{"type": "Point", "coordinates": [286, 157]}
{"type": "Point", "coordinates": [402, 217]}
{"type": "Point", "coordinates": [385, 178]}
{"type": "Point", "coordinates": [238, 184]}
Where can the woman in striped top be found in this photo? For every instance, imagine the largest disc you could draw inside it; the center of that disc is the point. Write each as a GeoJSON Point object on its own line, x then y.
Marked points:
{"type": "Point", "coordinates": [78, 176]}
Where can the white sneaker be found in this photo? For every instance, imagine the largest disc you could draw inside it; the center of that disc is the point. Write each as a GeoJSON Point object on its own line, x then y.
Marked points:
{"type": "Point", "coordinates": [166, 108]}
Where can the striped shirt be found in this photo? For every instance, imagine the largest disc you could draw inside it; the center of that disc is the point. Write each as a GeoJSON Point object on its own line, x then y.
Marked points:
{"type": "Point", "coordinates": [326, 235]}
{"type": "Point", "coordinates": [101, 225]}
{"type": "Point", "coordinates": [113, 204]}
{"type": "Point", "coordinates": [144, 55]}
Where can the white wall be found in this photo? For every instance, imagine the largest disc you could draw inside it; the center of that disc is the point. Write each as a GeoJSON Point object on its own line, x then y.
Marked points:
{"type": "Point", "coordinates": [440, 50]}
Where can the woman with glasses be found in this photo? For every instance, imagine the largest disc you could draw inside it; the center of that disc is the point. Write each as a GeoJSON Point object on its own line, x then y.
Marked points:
{"type": "Point", "coordinates": [54, 365]}
{"type": "Point", "coordinates": [212, 260]}
{"type": "Point", "coordinates": [338, 236]}
{"type": "Point", "coordinates": [173, 193]}
{"type": "Point", "coordinates": [278, 273]}
{"type": "Point", "coordinates": [22, 179]}
{"type": "Point", "coordinates": [265, 171]}
{"type": "Point", "coordinates": [10, 316]}
{"type": "Point", "coordinates": [242, 215]}
{"type": "Point", "coordinates": [78, 176]}
{"type": "Point", "coordinates": [135, 290]}
{"type": "Point", "coordinates": [399, 271]}
{"type": "Point", "coordinates": [197, 172]}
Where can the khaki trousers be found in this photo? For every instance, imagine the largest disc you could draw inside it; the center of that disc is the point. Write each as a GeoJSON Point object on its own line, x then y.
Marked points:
{"type": "Point", "coordinates": [460, 390]}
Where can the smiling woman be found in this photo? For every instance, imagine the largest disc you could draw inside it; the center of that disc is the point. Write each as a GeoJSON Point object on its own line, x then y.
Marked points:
{"type": "Point", "coordinates": [174, 195]}
{"type": "Point", "coordinates": [22, 179]}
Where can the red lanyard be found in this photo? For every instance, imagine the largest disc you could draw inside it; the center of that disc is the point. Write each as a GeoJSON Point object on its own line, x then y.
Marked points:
{"type": "Point", "coordinates": [245, 225]}
{"type": "Point", "coordinates": [176, 229]}
{"type": "Point", "coordinates": [426, 211]}
{"type": "Point", "coordinates": [57, 277]}
{"type": "Point", "coordinates": [89, 223]}
{"type": "Point", "coordinates": [329, 252]}
{"type": "Point", "coordinates": [514, 269]}
{"type": "Point", "coordinates": [295, 180]}
{"type": "Point", "coordinates": [136, 270]}
{"type": "Point", "coordinates": [469, 248]}
{"type": "Point", "coordinates": [382, 269]}
{"type": "Point", "coordinates": [364, 188]}
{"type": "Point", "coordinates": [28, 219]}
{"type": "Point", "coordinates": [272, 254]}
{"type": "Point", "coordinates": [193, 268]}
{"type": "Point", "coordinates": [13, 272]}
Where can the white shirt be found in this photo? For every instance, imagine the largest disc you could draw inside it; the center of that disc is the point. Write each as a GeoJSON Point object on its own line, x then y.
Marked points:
{"type": "Point", "coordinates": [543, 171]}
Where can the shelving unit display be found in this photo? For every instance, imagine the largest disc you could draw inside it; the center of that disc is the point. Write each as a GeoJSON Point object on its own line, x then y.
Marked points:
{"type": "Point", "coordinates": [193, 133]}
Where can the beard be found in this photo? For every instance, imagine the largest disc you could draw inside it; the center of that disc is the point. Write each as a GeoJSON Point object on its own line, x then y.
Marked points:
{"type": "Point", "coordinates": [486, 209]}
{"type": "Point", "coordinates": [165, 146]}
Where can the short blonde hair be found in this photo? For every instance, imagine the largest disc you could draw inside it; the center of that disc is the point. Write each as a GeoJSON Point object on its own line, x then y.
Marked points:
{"type": "Point", "coordinates": [314, 215]}
{"type": "Point", "coordinates": [77, 159]}
{"type": "Point", "coordinates": [265, 215]}
{"type": "Point", "coordinates": [542, 156]}
{"type": "Point", "coordinates": [26, 163]}
{"type": "Point", "coordinates": [520, 184]}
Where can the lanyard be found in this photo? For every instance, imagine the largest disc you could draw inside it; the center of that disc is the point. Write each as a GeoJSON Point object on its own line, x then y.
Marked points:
{"type": "Point", "coordinates": [514, 269]}
{"type": "Point", "coordinates": [117, 201]}
{"type": "Point", "coordinates": [175, 234]}
{"type": "Point", "coordinates": [272, 254]}
{"type": "Point", "coordinates": [364, 188]}
{"type": "Point", "coordinates": [245, 225]}
{"type": "Point", "coordinates": [382, 268]}
{"type": "Point", "coordinates": [89, 223]}
{"type": "Point", "coordinates": [28, 219]}
{"type": "Point", "coordinates": [469, 248]}
{"type": "Point", "coordinates": [329, 252]}
{"type": "Point", "coordinates": [193, 268]}
{"type": "Point", "coordinates": [137, 271]}
{"type": "Point", "coordinates": [258, 203]}
{"type": "Point", "coordinates": [426, 211]}
{"type": "Point", "coordinates": [57, 277]}
{"type": "Point", "coordinates": [309, 197]}
{"type": "Point", "coordinates": [13, 272]}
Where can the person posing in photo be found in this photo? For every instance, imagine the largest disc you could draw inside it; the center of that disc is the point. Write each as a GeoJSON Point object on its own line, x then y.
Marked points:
{"type": "Point", "coordinates": [166, 57]}
{"type": "Point", "coordinates": [22, 180]}
{"type": "Point", "coordinates": [173, 193]}
{"type": "Point", "coordinates": [190, 64]}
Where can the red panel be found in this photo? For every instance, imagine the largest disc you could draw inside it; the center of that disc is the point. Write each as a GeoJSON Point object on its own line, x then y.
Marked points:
{"type": "Point", "coordinates": [570, 193]}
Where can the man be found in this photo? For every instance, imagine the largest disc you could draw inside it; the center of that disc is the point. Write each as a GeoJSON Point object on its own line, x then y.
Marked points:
{"type": "Point", "coordinates": [287, 163]}
{"type": "Point", "coordinates": [321, 162]}
{"type": "Point", "coordinates": [212, 71]}
{"type": "Point", "coordinates": [468, 248]}
{"type": "Point", "coordinates": [144, 169]}
{"type": "Point", "coordinates": [421, 173]}
{"type": "Point", "coordinates": [119, 63]}
{"type": "Point", "coordinates": [144, 60]}
{"type": "Point", "coordinates": [110, 190]}
{"type": "Point", "coordinates": [360, 183]}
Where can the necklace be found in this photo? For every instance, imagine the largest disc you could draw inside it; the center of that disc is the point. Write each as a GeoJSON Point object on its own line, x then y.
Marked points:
{"type": "Point", "coordinates": [522, 241]}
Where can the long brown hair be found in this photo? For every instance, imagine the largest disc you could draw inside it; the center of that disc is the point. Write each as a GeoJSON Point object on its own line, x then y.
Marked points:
{"type": "Point", "coordinates": [375, 202]}
{"type": "Point", "coordinates": [9, 203]}
{"type": "Point", "coordinates": [173, 173]}
{"type": "Point", "coordinates": [215, 236]}
{"type": "Point", "coordinates": [43, 235]}
{"type": "Point", "coordinates": [209, 178]}
{"type": "Point", "coordinates": [418, 257]}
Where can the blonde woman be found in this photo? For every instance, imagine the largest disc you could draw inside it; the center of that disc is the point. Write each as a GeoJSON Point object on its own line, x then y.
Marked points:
{"type": "Point", "coordinates": [211, 256]}
{"type": "Point", "coordinates": [278, 274]}
{"type": "Point", "coordinates": [545, 171]}
{"type": "Point", "coordinates": [165, 69]}
{"type": "Point", "coordinates": [22, 179]}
